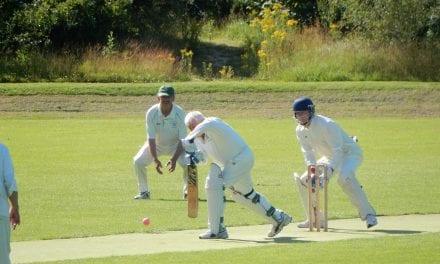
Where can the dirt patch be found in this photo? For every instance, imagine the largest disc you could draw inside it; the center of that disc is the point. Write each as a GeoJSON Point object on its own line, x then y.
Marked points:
{"type": "Point", "coordinates": [371, 103]}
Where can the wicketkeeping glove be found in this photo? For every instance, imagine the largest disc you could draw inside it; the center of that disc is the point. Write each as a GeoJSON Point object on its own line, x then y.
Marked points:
{"type": "Point", "coordinates": [321, 181]}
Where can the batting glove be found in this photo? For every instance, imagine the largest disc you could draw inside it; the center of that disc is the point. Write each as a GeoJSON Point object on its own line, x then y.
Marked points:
{"type": "Point", "coordinates": [188, 145]}
{"type": "Point", "coordinates": [191, 158]}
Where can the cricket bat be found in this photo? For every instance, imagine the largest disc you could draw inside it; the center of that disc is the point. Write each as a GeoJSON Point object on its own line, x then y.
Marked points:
{"type": "Point", "coordinates": [193, 192]}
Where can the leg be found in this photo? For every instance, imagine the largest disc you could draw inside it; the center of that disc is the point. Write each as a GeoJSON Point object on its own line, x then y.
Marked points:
{"type": "Point", "coordinates": [140, 161]}
{"type": "Point", "coordinates": [348, 182]}
{"type": "Point", "coordinates": [237, 177]}
{"type": "Point", "coordinates": [5, 233]}
{"type": "Point", "coordinates": [214, 187]}
{"type": "Point", "coordinates": [260, 205]}
{"type": "Point", "coordinates": [182, 164]}
{"type": "Point", "coordinates": [301, 182]}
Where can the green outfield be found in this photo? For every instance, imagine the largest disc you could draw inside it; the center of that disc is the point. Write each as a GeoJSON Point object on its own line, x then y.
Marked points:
{"type": "Point", "coordinates": [75, 175]}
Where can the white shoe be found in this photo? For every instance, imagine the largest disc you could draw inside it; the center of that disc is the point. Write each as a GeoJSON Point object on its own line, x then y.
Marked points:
{"type": "Point", "coordinates": [371, 220]}
{"type": "Point", "coordinates": [305, 224]}
{"type": "Point", "coordinates": [143, 195]}
{"type": "Point", "coordinates": [222, 234]}
{"type": "Point", "coordinates": [276, 228]}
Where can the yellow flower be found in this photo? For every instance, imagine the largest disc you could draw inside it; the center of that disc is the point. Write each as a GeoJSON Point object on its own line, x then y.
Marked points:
{"type": "Point", "coordinates": [261, 53]}
{"type": "Point", "coordinates": [279, 34]}
{"type": "Point", "coordinates": [264, 43]}
{"type": "Point", "coordinates": [333, 26]}
{"type": "Point", "coordinates": [277, 6]}
{"type": "Point", "coordinates": [292, 22]}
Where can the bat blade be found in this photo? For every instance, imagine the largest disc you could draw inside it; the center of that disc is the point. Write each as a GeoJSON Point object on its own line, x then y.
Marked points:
{"type": "Point", "coordinates": [193, 192]}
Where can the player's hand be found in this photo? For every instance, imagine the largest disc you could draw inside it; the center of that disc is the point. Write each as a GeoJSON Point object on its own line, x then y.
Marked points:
{"type": "Point", "coordinates": [321, 181]}
{"type": "Point", "coordinates": [14, 217]}
{"type": "Point", "coordinates": [188, 145]}
{"type": "Point", "coordinates": [329, 173]}
{"type": "Point", "coordinates": [171, 165]}
{"type": "Point", "coordinates": [191, 158]}
{"type": "Point", "coordinates": [158, 166]}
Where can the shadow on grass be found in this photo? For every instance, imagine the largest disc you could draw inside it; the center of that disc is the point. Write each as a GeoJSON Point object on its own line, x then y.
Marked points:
{"type": "Point", "coordinates": [276, 240]}
{"type": "Point", "coordinates": [385, 231]}
{"type": "Point", "coordinates": [398, 232]}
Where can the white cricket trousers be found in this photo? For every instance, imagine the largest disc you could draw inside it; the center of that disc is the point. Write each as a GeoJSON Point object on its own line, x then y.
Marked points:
{"type": "Point", "coordinates": [143, 159]}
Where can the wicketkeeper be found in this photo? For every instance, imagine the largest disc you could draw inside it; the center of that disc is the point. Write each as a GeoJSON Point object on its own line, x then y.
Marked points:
{"type": "Point", "coordinates": [321, 137]}
{"type": "Point", "coordinates": [232, 161]}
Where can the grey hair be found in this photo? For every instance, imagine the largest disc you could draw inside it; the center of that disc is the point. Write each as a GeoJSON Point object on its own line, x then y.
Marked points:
{"type": "Point", "coordinates": [194, 117]}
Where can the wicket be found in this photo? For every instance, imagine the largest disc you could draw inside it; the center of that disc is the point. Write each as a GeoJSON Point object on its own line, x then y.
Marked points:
{"type": "Point", "coordinates": [314, 209]}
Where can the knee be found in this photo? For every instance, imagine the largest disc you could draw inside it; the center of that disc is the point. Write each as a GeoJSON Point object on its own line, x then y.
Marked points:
{"type": "Point", "coordinates": [138, 162]}
{"type": "Point", "coordinates": [345, 180]}
{"type": "Point", "coordinates": [214, 181]}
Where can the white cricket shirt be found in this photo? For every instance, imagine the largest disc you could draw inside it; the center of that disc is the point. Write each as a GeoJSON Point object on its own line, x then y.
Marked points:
{"type": "Point", "coordinates": [220, 141]}
{"type": "Point", "coordinates": [325, 138]}
{"type": "Point", "coordinates": [7, 180]}
{"type": "Point", "coordinates": [169, 130]}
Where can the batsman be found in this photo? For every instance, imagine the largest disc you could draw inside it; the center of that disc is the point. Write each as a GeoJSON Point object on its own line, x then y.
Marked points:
{"type": "Point", "coordinates": [232, 161]}
{"type": "Point", "coordinates": [321, 137]}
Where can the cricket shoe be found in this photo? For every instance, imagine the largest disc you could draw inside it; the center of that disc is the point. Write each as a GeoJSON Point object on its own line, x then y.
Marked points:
{"type": "Point", "coordinates": [143, 195]}
{"type": "Point", "coordinates": [222, 234]}
{"type": "Point", "coordinates": [276, 228]}
{"type": "Point", "coordinates": [371, 220]}
{"type": "Point", "coordinates": [305, 224]}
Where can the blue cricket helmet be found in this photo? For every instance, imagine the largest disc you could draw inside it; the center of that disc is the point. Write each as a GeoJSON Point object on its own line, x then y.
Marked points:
{"type": "Point", "coordinates": [303, 104]}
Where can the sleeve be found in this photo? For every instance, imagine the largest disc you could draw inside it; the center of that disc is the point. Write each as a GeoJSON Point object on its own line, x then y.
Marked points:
{"type": "Point", "coordinates": [199, 130]}
{"type": "Point", "coordinates": [201, 152]}
{"type": "Point", "coordinates": [151, 132]}
{"type": "Point", "coordinates": [335, 143]}
{"type": "Point", "coordinates": [307, 150]}
{"type": "Point", "coordinates": [182, 127]}
{"type": "Point", "coordinates": [8, 172]}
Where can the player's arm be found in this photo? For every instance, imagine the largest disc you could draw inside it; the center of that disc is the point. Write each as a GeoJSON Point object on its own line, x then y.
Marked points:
{"type": "Point", "coordinates": [10, 186]}
{"type": "Point", "coordinates": [335, 142]}
{"type": "Point", "coordinates": [153, 152]}
{"type": "Point", "coordinates": [181, 133]}
{"type": "Point", "coordinates": [151, 138]}
{"type": "Point", "coordinates": [171, 164]}
{"type": "Point", "coordinates": [307, 150]}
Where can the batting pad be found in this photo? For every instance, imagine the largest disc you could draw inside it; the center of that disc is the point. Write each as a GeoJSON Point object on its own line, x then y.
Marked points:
{"type": "Point", "coordinates": [215, 197]}
{"type": "Point", "coordinates": [259, 208]}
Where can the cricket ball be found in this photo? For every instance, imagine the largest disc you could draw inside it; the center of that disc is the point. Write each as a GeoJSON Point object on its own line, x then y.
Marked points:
{"type": "Point", "coordinates": [146, 221]}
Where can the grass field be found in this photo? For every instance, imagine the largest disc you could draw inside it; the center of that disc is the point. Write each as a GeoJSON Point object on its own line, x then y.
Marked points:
{"type": "Point", "coordinates": [76, 178]}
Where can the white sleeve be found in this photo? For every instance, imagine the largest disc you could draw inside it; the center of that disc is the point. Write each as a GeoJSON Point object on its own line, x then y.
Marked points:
{"type": "Point", "coordinates": [200, 152]}
{"type": "Point", "coordinates": [309, 154]}
{"type": "Point", "coordinates": [335, 142]}
{"type": "Point", "coordinates": [151, 132]}
{"type": "Point", "coordinates": [199, 130]}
